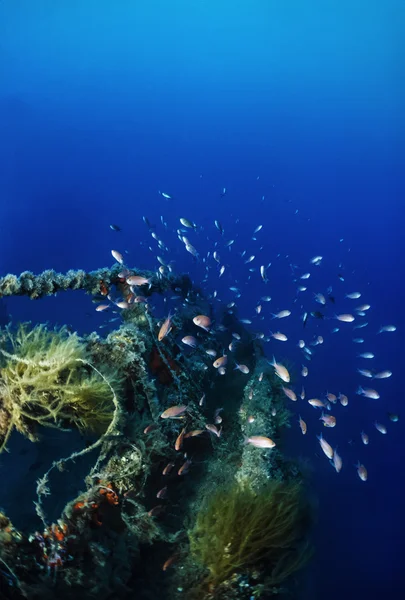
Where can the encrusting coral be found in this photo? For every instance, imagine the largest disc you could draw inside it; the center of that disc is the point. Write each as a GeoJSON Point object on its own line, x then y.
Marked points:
{"type": "Point", "coordinates": [46, 379]}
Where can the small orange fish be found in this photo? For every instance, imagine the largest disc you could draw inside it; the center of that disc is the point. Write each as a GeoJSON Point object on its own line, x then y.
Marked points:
{"type": "Point", "coordinates": [363, 307]}
{"type": "Point", "coordinates": [169, 562]}
{"type": "Point", "coordinates": [316, 403]}
{"type": "Point", "coordinates": [165, 328]}
{"type": "Point", "coordinates": [281, 371]}
{"type": "Point", "coordinates": [190, 340]}
{"type": "Point", "coordinates": [194, 433]}
{"type": "Point", "coordinates": [289, 393]}
{"type": "Point", "coordinates": [260, 441]}
{"type": "Point", "coordinates": [328, 420]}
{"type": "Point", "coordinates": [368, 393]}
{"type": "Point", "coordinates": [364, 438]}
{"type": "Point", "coordinates": [137, 280]}
{"type": "Point", "coordinates": [220, 362]}
{"type": "Point", "coordinates": [345, 318]}
{"type": "Point", "coordinates": [150, 428]}
{"type": "Point", "coordinates": [122, 304]}
{"type": "Point", "coordinates": [282, 314]}
{"type": "Point", "coordinates": [187, 223]}
{"type": "Point", "coordinates": [156, 510]}
{"type": "Point", "coordinates": [179, 441]}
{"type": "Point", "coordinates": [202, 321]}
{"type": "Point", "coordinates": [320, 298]}
{"type": "Point", "coordinates": [337, 461]}
{"type": "Point", "coordinates": [361, 471]}
{"type": "Point", "coordinates": [380, 427]}
{"type": "Point", "coordinates": [303, 425]}
{"type": "Point", "coordinates": [190, 248]}
{"type": "Point", "coordinates": [281, 337]}
{"type": "Point", "coordinates": [102, 307]}
{"type": "Point", "coordinates": [344, 400]}
{"type": "Point", "coordinates": [327, 448]}
{"type": "Point", "coordinates": [213, 429]}
{"type": "Point", "coordinates": [118, 256]}
{"type": "Point", "coordinates": [383, 375]}
{"type": "Point", "coordinates": [217, 416]}
{"type": "Point", "coordinates": [168, 468]}
{"type": "Point", "coordinates": [174, 412]}
{"type": "Point", "coordinates": [162, 493]}
{"type": "Point", "coordinates": [184, 468]}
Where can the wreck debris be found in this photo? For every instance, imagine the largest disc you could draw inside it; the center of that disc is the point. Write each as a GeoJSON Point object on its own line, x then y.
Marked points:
{"type": "Point", "coordinates": [149, 480]}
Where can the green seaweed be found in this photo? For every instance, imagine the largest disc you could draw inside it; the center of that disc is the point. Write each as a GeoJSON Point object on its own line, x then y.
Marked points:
{"type": "Point", "coordinates": [46, 379]}
{"type": "Point", "coordinates": [239, 530]}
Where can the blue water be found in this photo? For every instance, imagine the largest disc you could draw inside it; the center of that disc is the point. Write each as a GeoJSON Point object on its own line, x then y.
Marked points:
{"type": "Point", "coordinates": [297, 109]}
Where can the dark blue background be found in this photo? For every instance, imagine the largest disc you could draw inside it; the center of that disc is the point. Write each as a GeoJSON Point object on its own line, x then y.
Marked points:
{"type": "Point", "coordinates": [102, 104]}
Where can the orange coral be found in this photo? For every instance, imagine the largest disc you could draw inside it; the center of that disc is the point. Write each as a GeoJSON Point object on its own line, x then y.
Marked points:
{"type": "Point", "coordinates": [110, 495]}
{"type": "Point", "coordinates": [103, 288]}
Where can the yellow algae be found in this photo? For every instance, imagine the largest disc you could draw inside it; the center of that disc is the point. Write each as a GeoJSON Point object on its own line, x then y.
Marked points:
{"type": "Point", "coordinates": [46, 380]}
{"type": "Point", "coordinates": [238, 529]}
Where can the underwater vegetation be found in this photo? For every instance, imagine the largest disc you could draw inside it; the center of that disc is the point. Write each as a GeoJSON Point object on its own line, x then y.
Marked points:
{"type": "Point", "coordinates": [238, 529]}
{"type": "Point", "coordinates": [163, 507]}
{"type": "Point", "coordinates": [46, 379]}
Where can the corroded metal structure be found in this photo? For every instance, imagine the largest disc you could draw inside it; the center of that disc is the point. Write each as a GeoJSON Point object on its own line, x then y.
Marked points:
{"type": "Point", "coordinates": [126, 532]}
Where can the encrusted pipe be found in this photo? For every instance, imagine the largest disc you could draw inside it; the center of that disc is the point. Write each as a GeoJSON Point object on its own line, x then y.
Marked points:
{"type": "Point", "coordinates": [49, 282]}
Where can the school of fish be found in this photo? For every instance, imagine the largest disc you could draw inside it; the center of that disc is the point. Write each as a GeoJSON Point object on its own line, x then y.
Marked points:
{"type": "Point", "coordinates": [210, 253]}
